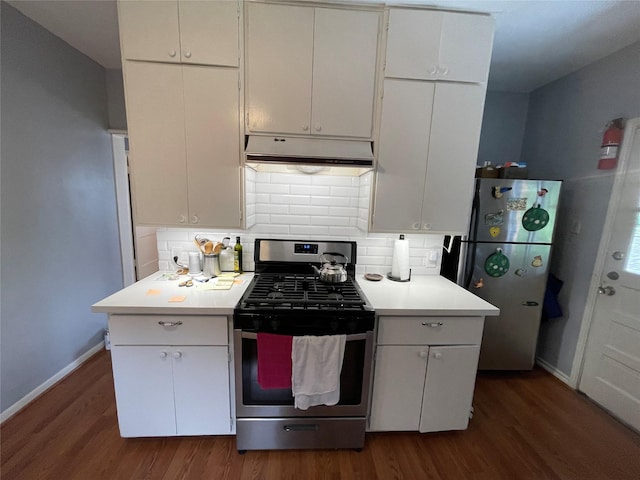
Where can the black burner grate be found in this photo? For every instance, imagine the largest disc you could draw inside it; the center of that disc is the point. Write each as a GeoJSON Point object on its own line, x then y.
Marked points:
{"type": "Point", "coordinates": [283, 291]}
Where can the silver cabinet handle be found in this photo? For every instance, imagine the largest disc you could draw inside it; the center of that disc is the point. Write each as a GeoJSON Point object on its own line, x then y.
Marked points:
{"type": "Point", "coordinates": [432, 324]}
{"type": "Point", "coordinates": [170, 324]}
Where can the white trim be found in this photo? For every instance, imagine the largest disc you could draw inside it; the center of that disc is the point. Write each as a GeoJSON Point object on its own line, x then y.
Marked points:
{"type": "Point", "coordinates": [123, 202]}
{"type": "Point", "coordinates": [39, 390]}
{"type": "Point", "coordinates": [555, 372]}
{"type": "Point", "coordinates": [616, 192]}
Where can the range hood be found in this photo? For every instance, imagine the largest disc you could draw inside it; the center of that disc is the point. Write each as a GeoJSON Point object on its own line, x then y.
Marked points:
{"type": "Point", "coordinates": [308, 151]}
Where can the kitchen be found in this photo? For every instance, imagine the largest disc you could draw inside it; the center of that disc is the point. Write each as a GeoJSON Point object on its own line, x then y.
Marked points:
{"type": "Point", "coordinates": [66, 271]}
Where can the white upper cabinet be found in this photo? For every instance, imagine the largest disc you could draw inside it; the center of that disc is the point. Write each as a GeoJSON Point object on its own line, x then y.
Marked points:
{"type": "Point", "coordinates": [183, 31]}
{"type": "Point", "coordinates": [183, 123]}
{"type": "Point", "coordinates": [310, 71]}
{"type": "Point", "coordinates": [435, 45]}
{"type": "Point", "coordinates": [424, 180]}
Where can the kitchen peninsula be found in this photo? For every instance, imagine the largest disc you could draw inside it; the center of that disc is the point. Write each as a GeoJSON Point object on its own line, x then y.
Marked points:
{"type": "Point", "coordinates": [173, 368]}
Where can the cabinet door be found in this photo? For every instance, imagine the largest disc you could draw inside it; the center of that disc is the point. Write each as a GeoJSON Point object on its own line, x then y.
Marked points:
{"type": "Point", "coordinates": [344, 72]}
{"type": "Point", "coordinates": [448, 390]}
{"type": "Point", "coordinates": [201, 383]}
{"type": "Point", "coordinates": [279, 56]}
{"type": "Point", "coordinates": [398, 387]}
{"type": "Point", "coordinates": [209, 32]}
{"type": "Point", "coordinates": [465, 47]}
{"type": "Point", "coordinates": [413, 44]}
{"type": "Point", "coordinates": [144, 391]}
{"type": "Point", "coordinates": [211, 103]}
{"type": "Point", "coordinates": [432, 45]}
{"type": "Point", "coordinates": [149, 30]}
{"type": "Point", "coordinates": [402, 155]}
{"type": "Point", "coordinates": [453, 151]}
{"type": "Point", "coordinates": [155, 118]}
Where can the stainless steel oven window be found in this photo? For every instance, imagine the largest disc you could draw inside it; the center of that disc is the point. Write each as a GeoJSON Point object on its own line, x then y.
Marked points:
{"type": "Point", "coordinates": [253, 401]}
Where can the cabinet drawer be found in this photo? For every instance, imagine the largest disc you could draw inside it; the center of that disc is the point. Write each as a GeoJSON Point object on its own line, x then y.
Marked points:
{"type": "Point", "coordinates": [168, 330]}
{"type": "Point", "coordinates": [430, 330]}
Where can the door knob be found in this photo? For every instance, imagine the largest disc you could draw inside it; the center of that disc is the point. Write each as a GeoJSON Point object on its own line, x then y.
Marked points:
{"type": "Point", "coordinates": [177, 354]}
{"type": "Point", "coordinates": [423, 354]}
{"type": "Point", "coordinates": [617, 255]}
{"type": "Point", "coordinates": [608, 290]}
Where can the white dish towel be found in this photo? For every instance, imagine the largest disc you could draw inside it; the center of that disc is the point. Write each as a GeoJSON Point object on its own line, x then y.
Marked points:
{"type": "Point", "coordinates": [316, 366]}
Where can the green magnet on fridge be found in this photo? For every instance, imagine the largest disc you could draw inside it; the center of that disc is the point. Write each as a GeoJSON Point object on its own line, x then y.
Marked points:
{"type": "Point", "coordinates": [496, 264]}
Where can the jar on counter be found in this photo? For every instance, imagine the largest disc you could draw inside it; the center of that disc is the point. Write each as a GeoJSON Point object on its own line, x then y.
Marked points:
{"type": "Point", "coordinates": [226, 259]}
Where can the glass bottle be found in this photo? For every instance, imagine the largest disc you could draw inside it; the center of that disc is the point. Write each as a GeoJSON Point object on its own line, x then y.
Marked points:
{"type": "Point", "coordinates": [237, 256]}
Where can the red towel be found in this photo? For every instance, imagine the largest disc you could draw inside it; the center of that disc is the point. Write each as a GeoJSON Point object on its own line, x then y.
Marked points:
{"type": "Point", "coordinates": [274, 360]}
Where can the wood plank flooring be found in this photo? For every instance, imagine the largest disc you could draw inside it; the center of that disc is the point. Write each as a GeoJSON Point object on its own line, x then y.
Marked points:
{"type": "Point", "coordinates": [526, 426]}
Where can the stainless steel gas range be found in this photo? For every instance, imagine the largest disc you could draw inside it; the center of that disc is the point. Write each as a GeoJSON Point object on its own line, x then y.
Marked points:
{"type": "Point", "coordinates": [286, 297]}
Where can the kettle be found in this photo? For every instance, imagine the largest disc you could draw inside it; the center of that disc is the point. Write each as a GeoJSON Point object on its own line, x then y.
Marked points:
{"type": "Point", "coordinates": [331, 271]}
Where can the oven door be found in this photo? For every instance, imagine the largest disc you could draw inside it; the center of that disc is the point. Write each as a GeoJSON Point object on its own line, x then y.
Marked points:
{"type": "Point", "coordinates": [252, 401]}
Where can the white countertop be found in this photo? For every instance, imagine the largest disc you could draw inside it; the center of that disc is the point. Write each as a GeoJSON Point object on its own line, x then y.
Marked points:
{"type": "Point", "coordinates": [423, 295]}
{"type": "Point", "coordinates": [152, 295]}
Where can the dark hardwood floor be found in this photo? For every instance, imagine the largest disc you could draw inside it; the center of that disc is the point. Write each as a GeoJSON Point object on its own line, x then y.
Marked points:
{"type": "Point", "coordinates": [526, 426]}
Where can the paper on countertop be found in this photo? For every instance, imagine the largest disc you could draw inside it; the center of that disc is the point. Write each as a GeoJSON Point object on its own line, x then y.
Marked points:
{"type": "Point", "coordinates": [218, 283]}
{"type": "Point", "coordinates": [153, 291]}
{"type": "Point", "coordinates": [177, 298]}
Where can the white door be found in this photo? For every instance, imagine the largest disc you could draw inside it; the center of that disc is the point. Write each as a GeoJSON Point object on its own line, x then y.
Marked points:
{"type": "Point", "coordinates": [402, 158]}
{"type": "Point", "coordinates": [611, 369]}
{"type": "Point", "coordinates": [279, 62]}
{"type": "Point", "coordinates": [144, 390]}
{"type": "Point", "coordinates": [448, 388]}
{"type": "Point", "coordinates": [211, 102]}
{"type": "Point", "coordinates": [398, 387]}
{"type": "Point", "coordinates": [155, 118]}
{"type": "Point", "coordinates": [201, 382]}
{"type": "Point", "coordinates": [209, 33]}
{"type": "Point", "coordinates": [344, 72]}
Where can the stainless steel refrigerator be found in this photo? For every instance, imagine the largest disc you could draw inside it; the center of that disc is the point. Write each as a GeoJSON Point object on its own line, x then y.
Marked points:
{"type": "Point", "coordinates": [506, 261]}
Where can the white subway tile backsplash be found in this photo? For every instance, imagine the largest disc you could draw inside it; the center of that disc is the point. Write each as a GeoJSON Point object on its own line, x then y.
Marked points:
{"type": "Point", "coordinates": [341, 221]}
{"type": "Point", "coordinates": [343, 211]}
{"type": "Point", "coordinates": [273, 208]}
{"type": "Point", "coordinates": [289, 178]}
{"type": "Point", "coordinates": [262, 198]}
{"type": "Point", "coordinates": [290, 199]}
{"type": "Point", "coordinates": [308, 231]}
{"type": "Point", "coordinates": [344, 191]}
{"type": "Point", "coordinates": [291, 219]}
{"type": "Point", "coordinates": [272, 188]}
{"type": "Point", "coordinates": [298, 206]}
{"type": "Point", "coordinates": [332, 180]}
{"type": "Point", "coordinates": [310, 190]}
{"type": "Point", "coordinates": [308, 210]}
{"type": "Point", "coordinates": [331, 201]}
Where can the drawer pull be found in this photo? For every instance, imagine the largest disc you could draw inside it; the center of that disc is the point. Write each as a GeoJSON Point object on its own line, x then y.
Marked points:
{"type": "Point", "coordinates": [170, 324]}
{"type": "Point", "coordinates": [432, 324]}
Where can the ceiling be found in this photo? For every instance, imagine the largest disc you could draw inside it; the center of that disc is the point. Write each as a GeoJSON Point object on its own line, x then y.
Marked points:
{"type": "Point", "coordinates": [536, 42]}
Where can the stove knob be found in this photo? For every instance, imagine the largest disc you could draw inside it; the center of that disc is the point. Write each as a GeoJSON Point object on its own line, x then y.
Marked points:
{"type": "Point", "coordinates": [334, 325]}
{"type": "Point", "coordinates": [275, 324]}
{"type": "Point", "coordinates": [256, 324]}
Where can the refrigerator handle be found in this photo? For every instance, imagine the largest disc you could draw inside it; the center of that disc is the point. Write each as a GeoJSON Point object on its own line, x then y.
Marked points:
{"type": "Point", "coordinates": [470, 251]}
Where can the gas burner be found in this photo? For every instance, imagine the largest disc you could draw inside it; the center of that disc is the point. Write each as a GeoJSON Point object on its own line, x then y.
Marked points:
{"type": "Point", "coordinates": [275, 294]}
{"type": "Point", "coordinates": [335, 296]}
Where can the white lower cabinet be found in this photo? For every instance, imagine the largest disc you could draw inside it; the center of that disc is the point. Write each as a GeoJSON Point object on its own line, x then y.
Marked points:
{"type": "Point", "coordinates": [423, 380]}
{"type": "Point", "coordinates": [167, 390]}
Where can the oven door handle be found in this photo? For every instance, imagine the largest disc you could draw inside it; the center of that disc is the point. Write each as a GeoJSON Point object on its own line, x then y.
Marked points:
{"type": "Point", "coordinates": [350, 338]}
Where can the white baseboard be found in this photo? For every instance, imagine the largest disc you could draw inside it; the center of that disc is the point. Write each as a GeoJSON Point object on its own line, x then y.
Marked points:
{"type": "Point", "coordinates": [555, 372]}
{"type": "Point", "coordinates": [36, 392]}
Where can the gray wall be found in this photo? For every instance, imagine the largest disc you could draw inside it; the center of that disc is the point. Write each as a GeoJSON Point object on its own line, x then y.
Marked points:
{"type": "Point", "coordinates": [115, 99]}
{"type": "Point", "coordinates": [59, 236]}
{"type": "Point", "coordinates": [503, 124]}
{"type": "Point", "coordinates": [564, 129]}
